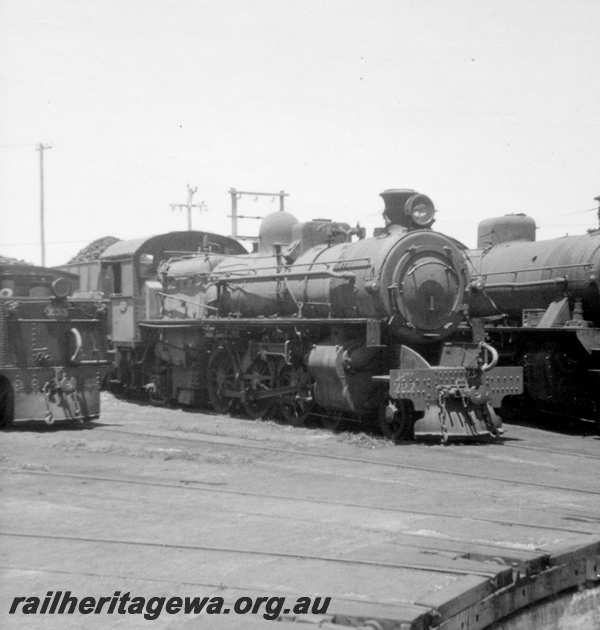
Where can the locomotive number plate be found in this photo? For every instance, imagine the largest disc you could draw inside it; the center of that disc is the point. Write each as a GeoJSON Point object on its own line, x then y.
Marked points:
{"type": "Point", "coordinates": [56, 312]}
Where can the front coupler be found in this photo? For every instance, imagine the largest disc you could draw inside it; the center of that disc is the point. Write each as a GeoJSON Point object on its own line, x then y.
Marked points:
{"type": "Point", "coordinates": [456, 399]}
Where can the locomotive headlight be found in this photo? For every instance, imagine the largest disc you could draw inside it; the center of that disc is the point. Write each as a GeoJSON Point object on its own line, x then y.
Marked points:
{"type": "Point", "coordinates": [421, 210]}
{"type": "Point", "coordinates": [61, 287]}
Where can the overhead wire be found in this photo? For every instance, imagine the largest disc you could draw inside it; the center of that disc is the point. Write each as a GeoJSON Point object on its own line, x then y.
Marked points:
{"type": "Point", "coordinates": [18, 145]}
{"type": "Point", "coordinates": [47, 243]}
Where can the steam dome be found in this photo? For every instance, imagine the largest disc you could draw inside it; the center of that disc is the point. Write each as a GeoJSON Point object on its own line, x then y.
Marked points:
{"type": "Point", "coordinates": [275, 229]}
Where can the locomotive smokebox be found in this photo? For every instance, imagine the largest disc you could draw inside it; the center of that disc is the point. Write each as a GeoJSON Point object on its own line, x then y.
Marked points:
{"type": "Point", "coordinates": [408, 208]}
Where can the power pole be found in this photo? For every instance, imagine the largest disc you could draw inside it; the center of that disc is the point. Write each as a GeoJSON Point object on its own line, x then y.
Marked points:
{"type": "Point", "coordinates": [41, 148]}
{"type": "Point", "coordinates": [189, 205]}
{"type": "Point", "coordinates": [237, 194]}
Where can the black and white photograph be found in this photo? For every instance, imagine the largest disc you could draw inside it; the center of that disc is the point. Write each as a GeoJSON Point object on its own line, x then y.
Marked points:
{"type": "Point", "coordinates": [300, 314]}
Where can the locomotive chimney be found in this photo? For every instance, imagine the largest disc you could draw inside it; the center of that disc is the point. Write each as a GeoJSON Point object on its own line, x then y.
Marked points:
{"type": "Point", "coordinates": [408, 208]}
{"type": "Point", "coordinates": [395, 199]}
{"type": "Point", "coordinates": [598, 200]}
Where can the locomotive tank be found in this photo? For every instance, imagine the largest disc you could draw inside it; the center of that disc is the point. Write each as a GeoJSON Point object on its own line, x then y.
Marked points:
{"type": "Point", "coordinates": [409, 275]}
{"type": "Point", "coordinates": [523, 274]}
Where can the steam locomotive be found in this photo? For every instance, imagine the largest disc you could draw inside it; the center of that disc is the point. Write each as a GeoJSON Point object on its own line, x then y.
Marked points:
{"type": "Point", "coordinates": [322, 321]}
{"type": "Point", "coordinates": [541, 302]}
{"type": "Point", "coordinates": [52, 346]}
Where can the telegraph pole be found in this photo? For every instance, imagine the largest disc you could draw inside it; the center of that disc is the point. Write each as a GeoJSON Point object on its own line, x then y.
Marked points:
{"type": "Point", "coordinates": [237, 194]}
{"type": "Point", "coordinates": [234, 213]}
{"type": "Point", "coordinates": [189, 205]}
{"type": "Point", "coordinates": [41, 148]}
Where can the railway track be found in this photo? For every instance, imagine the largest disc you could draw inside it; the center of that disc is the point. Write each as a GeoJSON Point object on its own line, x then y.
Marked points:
{"type": "Point", "coordinates": [241, 551]}
{"type": "Point", "coordinates": [238, 443]}
{"type": "Point", "coordinates": [506, 442]}
{"type": "Point", "coordinates": [436, 538]}
{"type": "Point", "coordinates": [551, 451]}
{"type": "Point", "coordinates": [185, 487]}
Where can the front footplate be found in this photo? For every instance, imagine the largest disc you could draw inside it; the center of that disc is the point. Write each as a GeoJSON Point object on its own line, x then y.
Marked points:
{"type": "Point", "coordinates": [454, 402]}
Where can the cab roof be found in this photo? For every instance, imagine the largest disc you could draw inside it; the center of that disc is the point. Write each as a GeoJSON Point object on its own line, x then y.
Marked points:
{"type": "Point", "coordinates": [181, 241]}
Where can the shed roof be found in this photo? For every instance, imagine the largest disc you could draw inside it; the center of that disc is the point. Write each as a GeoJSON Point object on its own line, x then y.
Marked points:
{"type": "Point", "coordinates": [189, 240]}
{"type": "Point", "coordinates": [121, 249]}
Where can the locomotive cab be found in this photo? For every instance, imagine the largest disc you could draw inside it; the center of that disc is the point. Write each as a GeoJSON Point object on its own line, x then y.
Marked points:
{"type": "Point", "coordinates": [128, 266]}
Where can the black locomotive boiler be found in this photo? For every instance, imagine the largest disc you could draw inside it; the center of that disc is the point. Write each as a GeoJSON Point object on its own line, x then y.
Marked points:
{"type": "Point", "coordinates": [541, 301]}
{"type": "Point", "coordinates": [322, 321]}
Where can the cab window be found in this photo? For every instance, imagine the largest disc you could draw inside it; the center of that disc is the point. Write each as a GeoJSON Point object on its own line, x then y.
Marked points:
{"type": "Point", "coordinates": [126, 278]}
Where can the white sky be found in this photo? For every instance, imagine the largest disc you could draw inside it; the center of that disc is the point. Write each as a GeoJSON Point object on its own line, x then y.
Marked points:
{"type": "Point", "coordinates": [487, 107]}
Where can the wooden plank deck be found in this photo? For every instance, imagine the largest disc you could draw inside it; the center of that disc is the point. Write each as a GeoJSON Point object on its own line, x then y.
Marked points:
{"type": "Point", "coordinates": [167, 502]}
